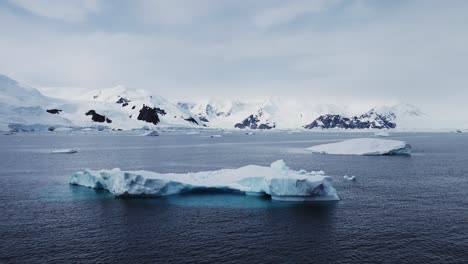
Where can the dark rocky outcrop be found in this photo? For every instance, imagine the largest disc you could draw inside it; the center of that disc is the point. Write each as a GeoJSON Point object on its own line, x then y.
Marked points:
{"type": "Point", "coordinates": [371, 119]}
{"type": "Point", "coordinates": [150, 114]}
{"type": "Point", "coordinates": [97, 117]}
{"type": "Point", "coordinates": [210, 110]}
{"type": "Point", "coordinates": [252, 122]}
{"type": "Point", "coordinates": [124, 101]}
{"type": "Point", "coordinates": [265, 126]}
{"type": "Point", "coordinates": [203, 119]}
{"type": "Point", "coordinates": [54, 111]}
{"type": "Point", "coordinates": [191, 120]}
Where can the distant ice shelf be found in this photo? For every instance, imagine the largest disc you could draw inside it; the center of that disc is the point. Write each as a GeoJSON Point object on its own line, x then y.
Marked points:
{"type": "Point", "coordinates": [364, 146]}
{"type": "Point", "coordinates": [277, 180]}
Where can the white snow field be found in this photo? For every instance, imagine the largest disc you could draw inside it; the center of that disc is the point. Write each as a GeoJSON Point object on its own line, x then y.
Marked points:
{"type": "Point", "coordinates": [277, 180]}
{"type": "Point", "coordinates": [364, 146]}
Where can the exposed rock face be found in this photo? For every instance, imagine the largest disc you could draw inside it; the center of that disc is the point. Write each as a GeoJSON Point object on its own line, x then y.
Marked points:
{"type": "Point", "coordinates": [54, 111]}
{"type": "Point", "coordinates": [252, 122]}
{"type": "Point", "coordinates": [97, 117]}
{"type": "Point", "coordinates": [210, 110]}
{"type": "Point", "coordinates": [203, 119]}
{"type": "Point", "coordinates": [265, 126]}
{"type": "Point", "coordinates": [191, 119]}
{"type": "Point", "coordinates": [370, 119]}
{"type": "Point", "coordinates": [124, 101]}
{"type": "Point", "coordinates": [150, 114]}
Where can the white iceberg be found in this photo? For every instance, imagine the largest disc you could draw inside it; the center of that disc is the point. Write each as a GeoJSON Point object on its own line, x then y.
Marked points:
{"type": "Point", "coordinates": [349, 178]}
{"type": "Point", "coordinates": [277, 180]}
{"type": "Point", "coordinates": [364, 146]}
{"type": "Point", "coordinates": [63, 151]}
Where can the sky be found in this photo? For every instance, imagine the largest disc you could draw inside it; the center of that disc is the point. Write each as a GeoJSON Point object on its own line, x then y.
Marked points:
{"type": "Point", "coordinates": [336, 51]}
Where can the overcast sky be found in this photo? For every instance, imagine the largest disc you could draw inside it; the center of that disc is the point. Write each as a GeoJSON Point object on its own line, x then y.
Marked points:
{"type": "Point", "coordinates": [341, 51]}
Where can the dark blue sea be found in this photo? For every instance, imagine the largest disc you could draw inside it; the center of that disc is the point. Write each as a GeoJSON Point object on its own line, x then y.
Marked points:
{"type": "Point", "coordinates": [401, 209]}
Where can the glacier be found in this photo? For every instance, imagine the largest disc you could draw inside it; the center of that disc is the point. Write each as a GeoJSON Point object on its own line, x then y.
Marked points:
{"type": "Point", "coordinates": [364, 146]}
{"type": "Point", "coordinates": [276, 180]}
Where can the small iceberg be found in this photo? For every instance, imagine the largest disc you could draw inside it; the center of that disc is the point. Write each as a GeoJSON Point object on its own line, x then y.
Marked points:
{"type": "Point", "coordinates": [349, 178]}
{"type": "Point", "coordinates": [63, 151]}
{"type": "Point", "coordinates": [364, 146]}
{"type": "Point", "coordinates": [276, 180]}
{"type": "Point", "coordinates": [250, 133]}
{"type": "Point", "coordinates": [382, 134]}
{"type": "Point", "coordinates": [151, 134]}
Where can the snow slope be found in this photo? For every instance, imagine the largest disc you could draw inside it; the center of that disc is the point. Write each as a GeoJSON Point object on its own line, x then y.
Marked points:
{"type": "Point", "coordinates": [364, 146]}
{"type": "Point", "coordinates": [126, 107]}
{"type": "Point", "coordinates": [24, 108]}
{"type": "Point", "coordinates": [278, 180]}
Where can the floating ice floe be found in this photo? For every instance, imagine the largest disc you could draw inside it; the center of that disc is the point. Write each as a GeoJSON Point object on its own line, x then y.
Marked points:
{"type": "Point", "coordinates": [382, 134]}
{"type": "Point", "coordinates": [349, 178]}
{"type": "Point", "coordinates": [277, 180]}
{"type": "Point", "coordinates": [364, 146]}
{"type": "Point", "coordinates": [63, 151]}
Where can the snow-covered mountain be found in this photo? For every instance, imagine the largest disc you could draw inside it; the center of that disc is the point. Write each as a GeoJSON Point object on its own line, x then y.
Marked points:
{"type": "Point", "coordinates": [24, 108]}
{"type": "Point", "coordinates": [134, 108]}
{"type": "Point", "coordinates": [259, 114]}
{"type": "Point", "coordinates": [296, 114]}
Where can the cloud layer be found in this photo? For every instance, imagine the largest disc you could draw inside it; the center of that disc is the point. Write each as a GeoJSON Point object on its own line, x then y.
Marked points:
{"type": "Point", "coordinates": [341, 51]}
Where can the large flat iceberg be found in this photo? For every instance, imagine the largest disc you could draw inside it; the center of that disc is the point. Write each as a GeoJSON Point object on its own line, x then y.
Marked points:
{"type": "Point", "coordinates": [364, 146]}
{"type": "Point", "coordinates": [277, 180]}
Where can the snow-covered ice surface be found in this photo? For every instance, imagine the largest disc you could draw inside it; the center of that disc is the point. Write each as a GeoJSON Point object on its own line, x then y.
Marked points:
{"type": "Point", "coordinates": [63, 151]}
{"type": "Point", "coordinates": [364, 146]}
{"type": "Point", "coordinates": [277, 180]}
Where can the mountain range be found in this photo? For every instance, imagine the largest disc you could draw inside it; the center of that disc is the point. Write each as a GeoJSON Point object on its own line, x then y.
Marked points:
{"type": "Point", "coordinates": [23, 108]}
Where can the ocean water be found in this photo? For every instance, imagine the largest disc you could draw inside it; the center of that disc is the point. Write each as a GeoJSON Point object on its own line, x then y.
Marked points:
{"type": "Point", "coordinates": [399, 210]}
